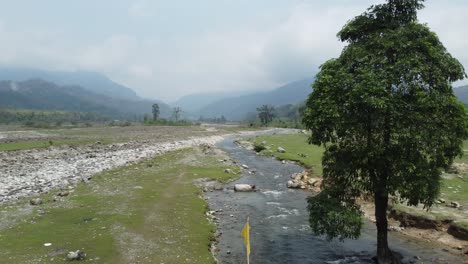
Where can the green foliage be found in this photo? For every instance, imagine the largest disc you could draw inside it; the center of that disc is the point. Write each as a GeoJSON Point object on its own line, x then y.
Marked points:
{"type": "Point", "coordinates": [156, 112]}
{"type": "Point", "coordinates": [266, 113]}
{"type": "Point", "coordinates": [385, 109]}
{"type": "Point", "coordinates": [46, 119]}
{"type": "Point", "coordinates": [334, 218]}
{"type": "Point", "coordinates": [258, 147]}
{"type": "Point", "coordinates": [165, 122]}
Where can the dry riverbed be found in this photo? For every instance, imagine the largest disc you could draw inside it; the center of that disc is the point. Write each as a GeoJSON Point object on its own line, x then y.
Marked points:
{"type": "Point", "coordinates": [40, 169]}
{"type": "Point", "coordinates": [132, 202]}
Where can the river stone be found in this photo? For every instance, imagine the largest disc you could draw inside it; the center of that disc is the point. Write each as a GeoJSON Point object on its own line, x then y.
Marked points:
{"type": "Point", "coordinates": [76, 255]}
{"type": "Point", "coordinates": [35, 201]}
{"type": "Point", "coordinates": [244, 188]}
{"type": "Point", "coordinates": [63, 194]}
{"type": "Point", "coordinates": [281, 150]}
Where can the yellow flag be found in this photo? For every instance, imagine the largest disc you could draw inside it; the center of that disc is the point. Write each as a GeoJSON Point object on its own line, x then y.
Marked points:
{"type": "Point", "coordinates": [246, 236]}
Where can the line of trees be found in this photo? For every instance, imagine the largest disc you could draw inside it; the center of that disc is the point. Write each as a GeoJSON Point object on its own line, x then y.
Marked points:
{"type": "Point", "coordinates": [27, 116]}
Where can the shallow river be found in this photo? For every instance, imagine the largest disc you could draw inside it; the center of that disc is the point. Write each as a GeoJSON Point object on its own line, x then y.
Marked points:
{"type": "Point", "coordinates": [279, 222]}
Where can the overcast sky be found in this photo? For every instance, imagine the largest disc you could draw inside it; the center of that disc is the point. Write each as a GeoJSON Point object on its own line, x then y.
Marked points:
{"type": "Point", "coordinates": [166, 49]}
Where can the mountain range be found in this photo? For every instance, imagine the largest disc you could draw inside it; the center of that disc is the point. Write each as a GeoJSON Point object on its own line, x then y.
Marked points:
{"type": "Point", "coordinates": [238, 107]}
{"type": "Point", "coordinates": [91, 81]}
{"type": "Point", "coordinates": [93, 92]}
{"type": "Point", "coordinates": [72, 91]}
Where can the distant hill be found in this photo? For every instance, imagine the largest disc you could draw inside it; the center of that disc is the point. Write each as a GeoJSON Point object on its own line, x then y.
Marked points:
{"type": "Point", "coordinates": [91, 81]}
{"type": "Point", "coordinates": [43, 95]}
{"type": "Point", "coordinates": [193, 103]}
{"type": "Point", "coordinates": [237, 108]}
{"type": "Point", "coordinates": [462, 93]}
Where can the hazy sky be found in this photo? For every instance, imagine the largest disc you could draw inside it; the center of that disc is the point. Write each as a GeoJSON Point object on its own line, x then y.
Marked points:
{"type": "Point", "coordinates": [166, 49]}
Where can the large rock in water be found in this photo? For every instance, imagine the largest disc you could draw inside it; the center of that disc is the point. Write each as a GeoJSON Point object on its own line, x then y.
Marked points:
{"type": "Point", "coordinates": [303, 180]}
{"type": "Point", "coordinates": [244, 188]}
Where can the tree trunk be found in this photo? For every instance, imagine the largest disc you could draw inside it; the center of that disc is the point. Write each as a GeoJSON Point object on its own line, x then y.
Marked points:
{"type": "Point", "coordinates": [384, 254]}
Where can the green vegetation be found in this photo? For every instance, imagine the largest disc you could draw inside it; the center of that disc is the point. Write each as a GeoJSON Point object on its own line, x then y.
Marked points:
{"type": "Point", "coordinates": [149, 212]}
{"type": "Point", "coordinates": [46, 119]}
{"type": "Point", "coordinates": [440, 217]}
{"type": "Point", "coordinates": [30, 144]}
{"type": "Point", "coordinates": [386, 113]}
{"type": "Point", "coordinates": [455, 188]}
{"type": "Point", "coordinates": [296, 148]}
{"type": "Point", "coordinates": [266, 114]}
{"type": "Point", "coordinates": [165, 122]}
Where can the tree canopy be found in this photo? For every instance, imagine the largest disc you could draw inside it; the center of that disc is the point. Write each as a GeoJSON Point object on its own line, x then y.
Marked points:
{"type": "Point", "coordinates": [266, 113]}
{"type": "Point", "coordinates": [386, 114]}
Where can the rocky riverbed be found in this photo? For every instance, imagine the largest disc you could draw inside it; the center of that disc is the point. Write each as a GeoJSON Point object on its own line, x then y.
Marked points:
{"type": "Point", "coordinates": [29, 172]}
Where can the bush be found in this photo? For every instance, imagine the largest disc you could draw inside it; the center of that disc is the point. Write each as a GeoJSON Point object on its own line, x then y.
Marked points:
{"type": "Point", "coordinates": [259, 147]}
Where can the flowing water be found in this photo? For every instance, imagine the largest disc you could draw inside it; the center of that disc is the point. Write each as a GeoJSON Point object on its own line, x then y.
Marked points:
{"type": "Point", "coordinates": [279, 222]}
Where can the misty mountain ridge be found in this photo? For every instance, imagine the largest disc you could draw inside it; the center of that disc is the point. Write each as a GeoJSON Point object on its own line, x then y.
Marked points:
{"type": "Point", "coordinates": [461, 92]}
{"type": "Point", "coordinates": [193, 103]}
{"type": "Point", "coordinates": [91, 81]}
{"type": "Point", "coordinates": [37, 94]}
{"type": "Point", "coordinates": [238, 107]}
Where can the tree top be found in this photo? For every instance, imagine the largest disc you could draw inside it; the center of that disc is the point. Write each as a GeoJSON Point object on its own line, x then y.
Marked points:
{"type": "Point", "coordinates": [391, 15]}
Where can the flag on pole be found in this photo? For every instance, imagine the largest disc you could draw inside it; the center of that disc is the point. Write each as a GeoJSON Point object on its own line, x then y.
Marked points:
{"type": "Point", "coordinates": [246, 236]}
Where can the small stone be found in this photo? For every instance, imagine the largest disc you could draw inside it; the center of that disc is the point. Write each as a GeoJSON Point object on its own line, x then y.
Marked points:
{"type": "Point", "coordinates": [47, 244]}
{"type": "Point", "coordinates": [283, 161]}
{"type": "Point", "coordinates": [454, 204]}
{"type": "Point", "coordinates": [76, 255]}
{"type": "Point", "coordinates": [228, 171]}
{"type": "Point", "coordinates": [35, 201]}
{"type": "Point", "coordinates": [245, 166]}
{"type": "Point", "coordinates": [281, 150]}
{"type": "Point", "coordinates": [63, 194]}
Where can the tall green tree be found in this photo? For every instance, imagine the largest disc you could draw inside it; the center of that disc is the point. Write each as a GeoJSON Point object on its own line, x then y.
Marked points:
{"type": "Point", "coordinates": [176, 112]}
{"type": "Point", "coordinates": [386, 114]}
{"type": "Point", "coordinates": [266, 113]}
{"type": "Point", "coordinates": [155, 110]}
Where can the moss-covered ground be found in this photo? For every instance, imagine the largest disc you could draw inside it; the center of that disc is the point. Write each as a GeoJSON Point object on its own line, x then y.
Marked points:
{"type": "Point", "coordinates": [145, 213]}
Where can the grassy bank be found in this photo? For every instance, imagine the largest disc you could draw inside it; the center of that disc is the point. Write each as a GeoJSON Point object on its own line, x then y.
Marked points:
{"type": "Point", "coordinates": [297, 149]}
{"type": "Point", "coordinates": [145, 213]}
{"type": "Point", "coordinates": [32, 144]}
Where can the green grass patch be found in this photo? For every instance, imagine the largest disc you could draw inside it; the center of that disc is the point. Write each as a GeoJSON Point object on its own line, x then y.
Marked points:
{"type": "Point", "coordinates": [455, 188]}
{"type": "Point", "coordinates": [145, 213]}
{"type": "Point", "coordinates": [419, 212]}
{"type": "Point", "coordinates": [31, 144]}
{"type": "Point", "coordinates": [297, 149]}
{"type": "Point", "coordinates": [461, 224]}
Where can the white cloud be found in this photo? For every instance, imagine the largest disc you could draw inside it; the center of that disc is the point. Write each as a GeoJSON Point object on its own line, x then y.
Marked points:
{"type": "Point", "coordinates": [139, 9]}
